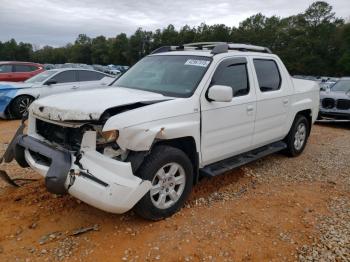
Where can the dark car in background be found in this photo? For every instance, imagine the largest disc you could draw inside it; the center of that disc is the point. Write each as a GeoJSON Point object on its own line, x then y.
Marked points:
{"type": "Point", "coordinates": [19, 71]}
{"type": "Point", "coordinates": [335, 101]}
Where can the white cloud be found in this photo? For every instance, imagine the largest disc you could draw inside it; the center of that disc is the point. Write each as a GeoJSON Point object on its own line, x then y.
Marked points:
{"type": "Point", "coordinates": [57, 22]}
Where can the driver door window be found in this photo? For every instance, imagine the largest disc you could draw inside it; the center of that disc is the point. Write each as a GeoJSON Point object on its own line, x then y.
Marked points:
{"type": "Point", "coordinates": [235, 76]}
{"type": "Point", "coordinates": [65, 77]}
{"type": "Point", "coordinates": [65, 82]}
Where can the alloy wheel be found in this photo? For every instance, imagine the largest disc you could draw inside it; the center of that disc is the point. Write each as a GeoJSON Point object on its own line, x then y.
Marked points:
{"type": "Point", "coordinates": [168, 185]}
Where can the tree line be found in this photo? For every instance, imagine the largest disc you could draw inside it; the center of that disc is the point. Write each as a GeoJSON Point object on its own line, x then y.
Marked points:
{"type": "Point", "coordinates": [314, 42]}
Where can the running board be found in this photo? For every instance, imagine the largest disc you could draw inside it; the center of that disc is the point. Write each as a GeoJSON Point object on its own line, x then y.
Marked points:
{"type": "Point", "coordinates": [242, 159]}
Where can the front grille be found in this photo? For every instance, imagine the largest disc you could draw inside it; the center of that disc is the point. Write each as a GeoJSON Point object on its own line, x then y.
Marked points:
{"type": "Point", "coordinates": [343, 104]}
{"type": "Point", "coordinates": [328, 103]}
{"type": "Point", "coordinates": [67, 137]}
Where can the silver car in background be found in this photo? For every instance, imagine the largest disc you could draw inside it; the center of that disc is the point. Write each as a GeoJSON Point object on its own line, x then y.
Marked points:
{"type": "Point", "coordinates": [335, 101]}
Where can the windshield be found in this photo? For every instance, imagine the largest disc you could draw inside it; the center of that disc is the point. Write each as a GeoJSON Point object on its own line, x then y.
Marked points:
{"type": "Point", "coordinates": [39, 78]}
{"type": "Point", "coordinates": [168, 75]}
{"type": "Point", "coordinates": [341, 86]}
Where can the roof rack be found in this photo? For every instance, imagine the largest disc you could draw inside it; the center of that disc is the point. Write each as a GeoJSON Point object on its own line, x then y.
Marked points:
{"type": "Point", "coordinates": [246, 47]}
{"type": "Point", "coordinates": [215, 47]}
{"type": "Point", "coordinates": [203, 44]}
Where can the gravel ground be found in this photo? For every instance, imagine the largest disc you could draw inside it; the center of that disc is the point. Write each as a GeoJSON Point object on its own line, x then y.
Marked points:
{"type": "Point", "coordinates": [334, 241]}
{"type": "Point", "coordinates": [275, 209]}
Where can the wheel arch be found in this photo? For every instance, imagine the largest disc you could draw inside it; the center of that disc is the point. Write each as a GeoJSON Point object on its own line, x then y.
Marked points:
{"type": "Point", "coordinates": [188, 146]}
{"type": "Point", "coordinates": [8, 108]}
{"type": "Point", "coordinates": [308, 115]}
{"type": "Point", "coordinates": [289, 138]}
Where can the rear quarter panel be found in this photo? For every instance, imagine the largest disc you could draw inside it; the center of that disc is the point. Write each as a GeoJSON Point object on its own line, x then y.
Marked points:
{"type": "Point", "coordinates": [306, 96]}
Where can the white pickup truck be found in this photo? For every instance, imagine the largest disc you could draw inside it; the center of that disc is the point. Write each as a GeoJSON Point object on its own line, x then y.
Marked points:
{"type": "Point", "coordinates": [178, 114]}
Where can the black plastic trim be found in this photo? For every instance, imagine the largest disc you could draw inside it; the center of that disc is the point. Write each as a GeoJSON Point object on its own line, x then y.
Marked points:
{"type": "Point", "coordinates": [228, 164]}
{"type": "Point", "coordinates": [336, 115]}
{"type": "Point", "coordinates": [93, 178]}
{"type": "Point", "coordinates": [60, 162]}
{"type": "Point", "coordinates": [161, 49]}
{"type": "Point", "coordinates": [220, 48]}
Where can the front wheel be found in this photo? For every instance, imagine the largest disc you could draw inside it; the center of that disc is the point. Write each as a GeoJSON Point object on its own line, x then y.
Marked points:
{"type": "Point", "coordinates": [20, 105]}
{"type": "Point", "coordinates": [171, 173]}
{"type": "Point", "coordinates": [298, 136]}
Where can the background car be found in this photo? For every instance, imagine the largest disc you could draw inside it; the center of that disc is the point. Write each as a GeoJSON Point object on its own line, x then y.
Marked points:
{"type": "Point", "coordinates": [335, 101]}
{"type": "Point", "coordinates": [49, 66]}
{"type": "Point", "coordinates": [324, 85]}
{"type": "Point", "coordinates": [19, 71]}
{"type": "Point", "coordinates": [15, 98]}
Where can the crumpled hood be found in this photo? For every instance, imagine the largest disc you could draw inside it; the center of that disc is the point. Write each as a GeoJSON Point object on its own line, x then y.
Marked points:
{"type": "Point", "coordinates": [14, 85]}
{"type": "Point", "coordinates": [90, 104]}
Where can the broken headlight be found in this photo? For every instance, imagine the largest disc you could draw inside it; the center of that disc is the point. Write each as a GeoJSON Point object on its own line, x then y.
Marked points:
{"type": "Point", "coordinates": [107, 137]}
{"type": "Point", "coordinates": [106, 141]}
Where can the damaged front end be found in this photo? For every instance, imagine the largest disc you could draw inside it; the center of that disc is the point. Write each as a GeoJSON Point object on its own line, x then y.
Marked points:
{"type": "Point", "coordinates": [79, 159]}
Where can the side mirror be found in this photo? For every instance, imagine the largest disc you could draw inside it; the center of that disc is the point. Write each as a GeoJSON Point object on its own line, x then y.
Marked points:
{"type": "Point", "coordinates": [219, 93]}
{"type": "Point", "coordinates": [50, 82]}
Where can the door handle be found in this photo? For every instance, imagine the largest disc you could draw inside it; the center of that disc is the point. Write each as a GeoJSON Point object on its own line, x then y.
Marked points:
{"type": "Point", "coordinates": [285, 101]}
{"type": "Point", "coordinates": [75, 87]}
{"type": "Point", "coordinates": [250, 108]}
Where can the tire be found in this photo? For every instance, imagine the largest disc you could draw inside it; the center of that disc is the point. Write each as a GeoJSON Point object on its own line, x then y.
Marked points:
{"type": "Point", "coordinates": [19, 106]}
{"type": "Point", "coordinates": [161, 202]}
{"type": "Point", "coordinates": [298, 135]}
{"type": "Point", "coordinates": [19, 156]}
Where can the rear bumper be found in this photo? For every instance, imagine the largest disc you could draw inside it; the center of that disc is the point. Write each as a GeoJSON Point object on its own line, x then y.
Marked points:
{"type": "Point", "coordinates": [95, 179]}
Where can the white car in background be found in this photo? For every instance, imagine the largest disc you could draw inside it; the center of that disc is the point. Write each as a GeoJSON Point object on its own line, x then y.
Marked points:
{"type": "Point", "coordinates": [15, 98]}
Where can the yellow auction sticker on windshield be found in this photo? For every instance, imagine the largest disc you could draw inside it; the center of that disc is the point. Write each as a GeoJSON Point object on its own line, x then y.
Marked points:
{"type": "Point", "coordinates": [197, 62]}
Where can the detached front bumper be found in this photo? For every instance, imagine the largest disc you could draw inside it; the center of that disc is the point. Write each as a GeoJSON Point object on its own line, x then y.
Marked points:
{"type": "Point", "coordinates": [95, 179]}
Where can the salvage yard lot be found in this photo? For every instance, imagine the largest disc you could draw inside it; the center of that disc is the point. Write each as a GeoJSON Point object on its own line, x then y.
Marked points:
{"type": "Point", "coordinates": [275, 209]}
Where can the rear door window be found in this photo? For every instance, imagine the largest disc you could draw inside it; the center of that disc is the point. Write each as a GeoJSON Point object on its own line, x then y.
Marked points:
{"type": "Point", "coordinates": [89, 76]}
{"type": "Point", "coordinates": [5, 68]}
{"type": "Point", "coordinates": [23, 68]}
{"type": "Point", "coordinates": [34, 68]}
{"type": "Point", "coordinates": [65, 77]}
{"type": "Point", "coordinates": [269, 77]}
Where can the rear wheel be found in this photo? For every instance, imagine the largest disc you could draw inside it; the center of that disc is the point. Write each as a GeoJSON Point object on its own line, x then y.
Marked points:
{"type": "Point", "coordinates": [297, 136]}
{"type": "Point", "coordinates": [19, 106]}
{"type": "Point", "coordinates": [170, 171]}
